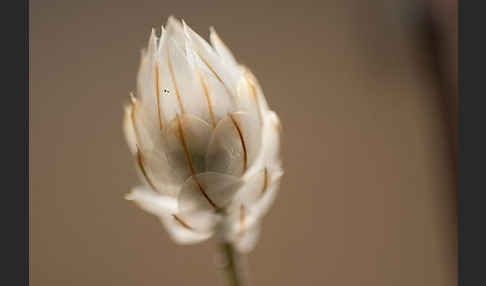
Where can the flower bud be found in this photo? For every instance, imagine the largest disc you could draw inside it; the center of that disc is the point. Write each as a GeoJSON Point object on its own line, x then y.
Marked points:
{"type": "Point", "coordinates": [205, 142]}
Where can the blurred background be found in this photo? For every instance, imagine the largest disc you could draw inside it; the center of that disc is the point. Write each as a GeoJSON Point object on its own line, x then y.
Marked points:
{"type": "Point", "coordinates": [366, 92]}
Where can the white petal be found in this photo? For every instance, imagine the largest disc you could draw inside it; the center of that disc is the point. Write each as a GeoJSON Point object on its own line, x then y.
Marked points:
{"type": "Point", "coordinates": [145, 126]}
{"type": "Point", "coordinates": [247, 100]}
{"type": "Point", "coordinates": [175, 31]}
{"type": "Point", "coordinates": [219, 99]}
{"type": "Point", "coordinates": [251, 131]}
{"type": "Point", "coordinates": [128, 130]}
{"type": "Point", "coordinates": [187, 141]}
{"type": "Point", "coordinates": [154, 172]}
{"type": "Point", "coordinates": [207, 192]}
{"type": "Point", "coordinates": [271, 140]}
{"type": "Point", "coordinates": [252, 80]}
{"type": "Point", "coordinates": [254, 200]}
{"type": "Point", "coordinates": [169, 104]}
{"type": "Point", "coordinates": [152, 202]}
{"type": "Point", "coordinates": [199, 221]}
{"type": "Point", "coordinates": [221, 48]}
{"type": "Point", "coordinates": [151, 154]}
{"type": "Point", "coordinates": [261, 207]}
{"type": "Point", "coordinates": [187, 83]}
{"type": "Point", "coordinates": [269, 156]}
{"type": "Point", "coordinates": [180, 233]}
{"type": "Point", "coordinates": [260, 185]}
{"type": "Point", "coordinates": [269, 160]}
{"type": "Point", "coordinates": [226, 73]}
{"type": "Point", "coordinates": [146, 90]}
{"type": "Point", "coordinates": [234, 145]}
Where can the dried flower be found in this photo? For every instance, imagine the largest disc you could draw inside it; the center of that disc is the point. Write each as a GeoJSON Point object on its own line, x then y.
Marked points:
{"type": "Point", "coordinates": [205, 142]}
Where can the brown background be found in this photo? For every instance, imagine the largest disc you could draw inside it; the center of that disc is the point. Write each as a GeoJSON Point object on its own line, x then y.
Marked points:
{"type": "Point", "coordinates": [368, 195]}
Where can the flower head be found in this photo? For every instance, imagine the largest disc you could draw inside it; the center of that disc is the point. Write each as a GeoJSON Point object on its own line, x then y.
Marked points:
{"type": "Point", "coordinates": [205, 141]}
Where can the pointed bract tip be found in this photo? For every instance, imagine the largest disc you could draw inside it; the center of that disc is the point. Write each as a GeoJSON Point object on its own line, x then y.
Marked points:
{"type": "Point", "coordinates": [128, 197]}
{"type": "Point", "coordinates": [275, 120]}
{"type": "Point", "coordinates": [127, 109]}
{"type": "Point", "coordinates": [172, 20]}
{"type": "Point", "coordinates": [153, 35]}
{"type": "Point", "coordinates": [187, 32]}
{"type": "Point", "coordinates": [133, 99]}
{"type": "Point", "coordinates": [186, 27]}
{"type": "Point", "coordinates": [213, 36]}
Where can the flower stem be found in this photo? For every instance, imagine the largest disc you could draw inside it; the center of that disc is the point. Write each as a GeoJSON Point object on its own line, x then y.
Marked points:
{"type": "Point", "coordinates": [233, 265]}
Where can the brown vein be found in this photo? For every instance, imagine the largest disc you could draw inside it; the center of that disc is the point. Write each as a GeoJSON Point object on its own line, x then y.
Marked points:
{"type": "Point", "coordinates": [265, 182]}
{"type": "Point", "coordinates": [183, 223]}
{"type": "Point", "coordinates": [157, 92]}
{"type": "Point", "coordinates": [171, 71]}
{"type": "Point", "coordinates": [139, 156]}
{"type": "Point", "coordinates": [255, 98]}
{"type": "Point", "coordinates": [208, 99]}
{"type": "Point", "coordinates": [243, 145]}
{"type": "Point", "coordinates": [143, 170]}
{"type": "Point", "coordinates": [132, 116]}
{"type": "Point", "coordinates": [190, 164]}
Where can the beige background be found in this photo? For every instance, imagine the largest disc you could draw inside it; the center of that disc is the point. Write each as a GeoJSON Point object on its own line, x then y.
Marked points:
{"type": "Point", "coordinates": [368, 195]}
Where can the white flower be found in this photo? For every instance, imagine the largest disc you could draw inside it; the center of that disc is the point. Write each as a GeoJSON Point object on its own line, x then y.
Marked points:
{"type": "Point", "coordinates": [206, 143]}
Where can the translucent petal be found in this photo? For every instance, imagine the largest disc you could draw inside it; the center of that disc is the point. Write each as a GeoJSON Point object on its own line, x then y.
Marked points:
{"type": "Point", "coordinates": [221, 48]}
{"type": "Point", "coordinates": [187, 83]}
{"type": "Point", "coordinates": [152, 202]}
{"type": "Point", "coordinates": [234, 145]}
{"type": "Point", "coordinates": [180, 233]}
{"type": "Point", "coordinates": [207, 192]}
{"type": "Point", "coordinates": [187, 140]}
{"type": "Point", "coordinates": [226, 73]}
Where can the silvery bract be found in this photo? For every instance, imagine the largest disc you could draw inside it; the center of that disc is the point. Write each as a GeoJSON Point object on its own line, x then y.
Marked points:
{"type": "Point", "coordinates": [205, 142]}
